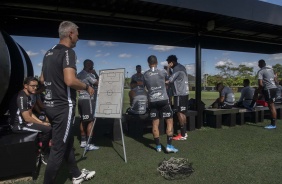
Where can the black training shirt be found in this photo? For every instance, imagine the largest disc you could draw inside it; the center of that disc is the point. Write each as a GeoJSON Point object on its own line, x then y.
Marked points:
{"type": "Point", "coordinates": [55, 61]}
{"type": "Point", "coordinates": [19, 103]}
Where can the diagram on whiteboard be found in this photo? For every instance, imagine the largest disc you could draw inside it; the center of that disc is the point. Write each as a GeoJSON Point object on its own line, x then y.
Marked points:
{"type": "Point", "coordinates": [110, 93]}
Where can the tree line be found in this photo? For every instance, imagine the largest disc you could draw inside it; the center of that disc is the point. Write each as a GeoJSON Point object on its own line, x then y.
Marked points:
{"type": "Point", "coordinates": [233, 76]}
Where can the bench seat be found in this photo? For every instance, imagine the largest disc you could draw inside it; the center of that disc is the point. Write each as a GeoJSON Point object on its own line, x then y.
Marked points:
{"type": "Point", "coordinates": [216, 117]}
{"type": "Point", "coordinates": [253, 115]}
{"type": "Point", "coordinates": [263, 111]}
{"type": "Point", "coordinates": [190, 121]}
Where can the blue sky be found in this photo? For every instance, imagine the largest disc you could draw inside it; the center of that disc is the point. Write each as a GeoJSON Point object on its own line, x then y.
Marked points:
{"type": "Point", "coordinates": [111, 55]}
{"type": "Point", "coordinates": [277, 2]}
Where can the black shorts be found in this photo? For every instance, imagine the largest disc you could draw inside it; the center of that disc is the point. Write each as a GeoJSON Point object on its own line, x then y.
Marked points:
{"type": "Point", "coordinates": [269, 94]}
{"type": "Point", "coordinates": [160, 109]}
{"type": "Point", "coordinates": [180, 103]}
{"type": "Point", "coordinates": [86, 109]}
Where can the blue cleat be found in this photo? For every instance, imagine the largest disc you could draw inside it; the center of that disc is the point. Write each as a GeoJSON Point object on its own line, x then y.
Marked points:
{"type": "Point", "coordinates": [270, 127]}
{"type": "Point", "coordinates": [171, 149]}
{"type": "Point", "coordinates": [158, 148]}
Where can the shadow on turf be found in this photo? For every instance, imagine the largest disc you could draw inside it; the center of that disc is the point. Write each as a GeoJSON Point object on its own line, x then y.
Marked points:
{"type": "Point", "coordinates": [255, 125]}
{"type": "Point", "coordinates": [146, 141]}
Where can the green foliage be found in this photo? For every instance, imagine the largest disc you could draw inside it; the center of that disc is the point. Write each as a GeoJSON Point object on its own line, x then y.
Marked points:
{"type": "Point", "coordinates": [244, 71]}
{"type": "Point", "coordinates": [127, 83]}
{"type": "Point", "coordinates": [212, 80]}
{"type": "Point", "coordinates": [234, 76]}
{"type": "Point", "coordinates": [278, 70]}
{"type": "Point", "coordinates": [226, 69]}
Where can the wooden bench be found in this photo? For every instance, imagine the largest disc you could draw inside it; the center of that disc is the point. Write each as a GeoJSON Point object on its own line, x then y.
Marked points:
{"type": "Point", "coordinates": [253, 115]}
{"type": "Point", "coordinates": [136, 124]}
{"type": "Point", "coordinates": [264, 110]}
{"type": "Point", "coordinates": [190, 121]}
{"type": "Point", "coordinates": [216, 117]}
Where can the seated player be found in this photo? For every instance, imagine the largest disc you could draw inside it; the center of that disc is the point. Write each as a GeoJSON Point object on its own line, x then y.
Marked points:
{"type": "Point", "coordinates": [138, 99]}
{"type": "Point", "coordinates": [247, 94]}
{"type": "Point", "coordinates": [23, 120]}
{"type": "Point", "coordinates": [226, 97]}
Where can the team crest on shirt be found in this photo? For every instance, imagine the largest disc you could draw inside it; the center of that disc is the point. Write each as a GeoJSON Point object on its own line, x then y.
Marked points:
{"type": "Point", "coordinates": [48, 95]}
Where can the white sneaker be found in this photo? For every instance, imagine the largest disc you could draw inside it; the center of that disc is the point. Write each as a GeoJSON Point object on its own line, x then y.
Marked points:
{"type": "Point", "coordinates": [83, 144]}
{"type": "Point", "coordinates": [92, 147]}
{"type": "Point", "coordinates": [44, 159]}
{"type": "Point", "coordinates": [85, 175]}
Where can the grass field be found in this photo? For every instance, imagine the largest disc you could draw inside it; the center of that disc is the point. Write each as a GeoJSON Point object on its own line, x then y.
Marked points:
{"type": "Point", "coordinates": [247, 154]}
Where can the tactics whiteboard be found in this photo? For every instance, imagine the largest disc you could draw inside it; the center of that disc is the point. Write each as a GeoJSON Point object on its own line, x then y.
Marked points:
{"type": "Point", "coordinates": [110, 93]}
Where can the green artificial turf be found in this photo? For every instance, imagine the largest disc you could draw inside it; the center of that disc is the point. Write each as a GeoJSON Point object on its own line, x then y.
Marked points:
{"type": "Point", "coordinates": [247, 154]}
{"type": "Point", "coordinates": [240, 154]}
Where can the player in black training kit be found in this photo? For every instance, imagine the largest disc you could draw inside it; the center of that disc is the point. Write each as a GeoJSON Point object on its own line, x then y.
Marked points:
{"type": "Point", "coordinates": [22, 118]}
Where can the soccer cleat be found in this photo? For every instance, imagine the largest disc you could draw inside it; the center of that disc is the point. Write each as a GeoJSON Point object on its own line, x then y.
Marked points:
{"type": "Point", "coordinates": [186, 135]}
{"type": "Point", "coordinates": [91, 147]}
{"type": "Point", "coordinates": [44, 159]}
{"type": "Point", "coordinates": [270, 127]}
{"type": "Point", "coordinates": [171, 149]}
{"type": "Point", "coordinates": [85, 175]}
{"type": "Point", "coordinates": [83, 144]}
{"type": "Point", "coordinates": [158, 148]}
{"type": "Point", "coordinates": [38, 158]}
{"type": "Point", "coordinates": [179, 137]}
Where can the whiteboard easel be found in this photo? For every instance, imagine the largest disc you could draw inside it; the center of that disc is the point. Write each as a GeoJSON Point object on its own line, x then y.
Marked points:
{"type": "Point", "coordinates": [110, 98]}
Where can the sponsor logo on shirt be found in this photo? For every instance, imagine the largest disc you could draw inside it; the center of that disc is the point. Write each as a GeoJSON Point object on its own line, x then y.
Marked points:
{"type": "Point", "coordinates": [152, 73]}
{"type": "Point", "coordinates": [47, 83]}
{"type": "Point", "coordinates": [154, 88]}
{"type": "Point", "coordinates": [49, 103]}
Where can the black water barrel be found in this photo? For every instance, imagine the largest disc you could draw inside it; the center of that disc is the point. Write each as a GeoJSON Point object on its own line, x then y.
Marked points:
{"type": "Point", "coordinates": [5, 67]}
{"type": "Point", "coordinates": [15, 65]}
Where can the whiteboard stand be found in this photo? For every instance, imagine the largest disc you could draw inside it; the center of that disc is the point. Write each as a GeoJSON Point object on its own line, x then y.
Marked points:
{"type": "Point", "coordinates": [122, 138]}
{"type": "Point", "coordinates": [123, 145]}
{"type": "Point", "coordinates": [110, 97]}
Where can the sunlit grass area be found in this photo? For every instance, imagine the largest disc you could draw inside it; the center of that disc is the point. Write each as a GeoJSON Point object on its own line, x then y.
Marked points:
{"type": "Point", "coordinates": [247, 154]}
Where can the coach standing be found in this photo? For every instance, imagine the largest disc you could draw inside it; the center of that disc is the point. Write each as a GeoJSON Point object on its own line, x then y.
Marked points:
{"type": "Point", "coordinates": [59, 78]}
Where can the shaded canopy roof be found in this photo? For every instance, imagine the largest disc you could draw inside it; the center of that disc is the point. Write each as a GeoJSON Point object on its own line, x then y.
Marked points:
{"type": "Point", "coordinates": [236, 25]}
